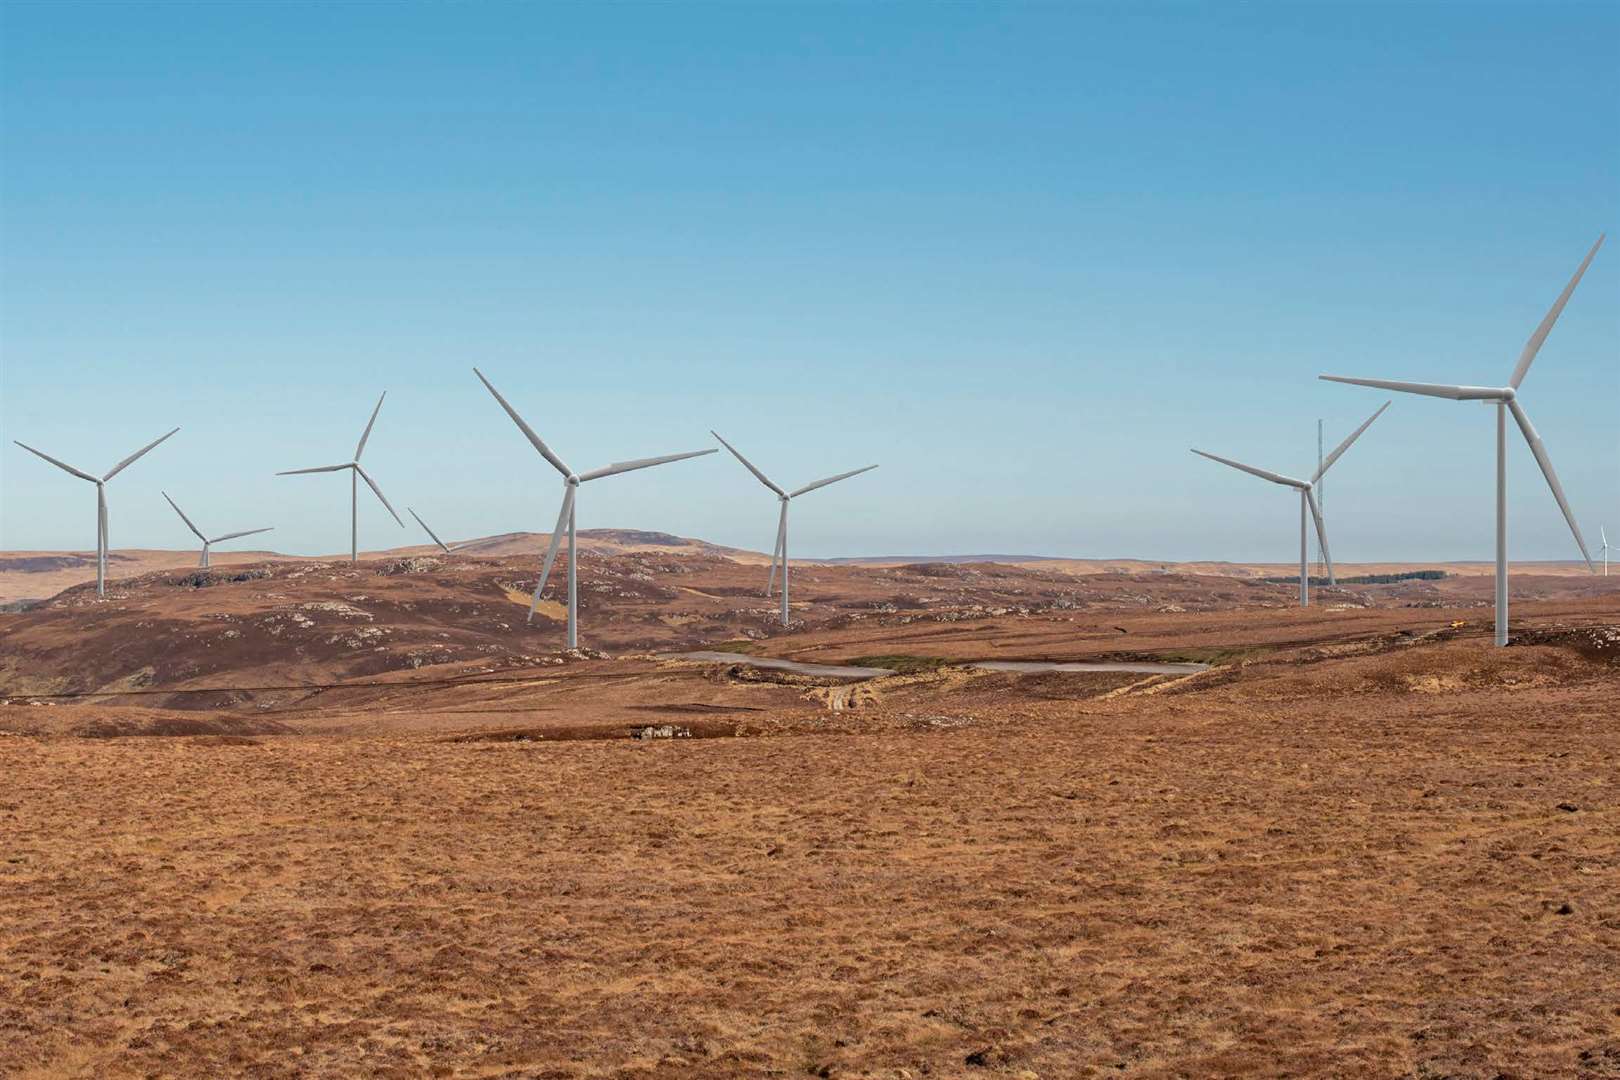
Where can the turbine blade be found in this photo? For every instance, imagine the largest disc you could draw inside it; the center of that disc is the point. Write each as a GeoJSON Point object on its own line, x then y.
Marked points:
{"type": "Point", "coordinates": [1275, 478]}
{"type": "Point", "coordinates": [318, 468]}
{"type": "Point", "coordinates": [244, 532]}
{"type": "Point", "coordinates": [360, 449]}
{"type": "Point", "coordinates": [776, 552]}
{"type": "Point", "coordinates": [1321, 534]}
{"type": "Point", "coordinates": [640, 463]}
{"type": "Point", "coordinates": [1342, 447]}
{"type": "Point", "coordinates": [1533, 346]}
{"type": "Point", "coordinates": [137, 455]}
{"type": "Point", "coordinates": [539, 444]}
{"type": "Point", "coordinates": [830, 480]}
{"type": "Point", "coordinates": [551, 549]}
{"type": "Point", "coordinates": [429, 531]}
{"type": "Point", "coordinates": [372, 484]}
{"type": "Point", "coordinates": [185, 519]}
{"type": "Point", "coordinates": [749, 465]}
{"type": "Point", "coordinates": [1546, 464]}
{"type": "Point", "coordinates": [1445, 390]}
{"type": "Point", "coordinates": [59, 464]}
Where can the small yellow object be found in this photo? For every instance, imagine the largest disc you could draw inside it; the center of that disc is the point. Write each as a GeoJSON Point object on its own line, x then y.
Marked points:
{"type": "Point", "coordinates": [1458, 624]}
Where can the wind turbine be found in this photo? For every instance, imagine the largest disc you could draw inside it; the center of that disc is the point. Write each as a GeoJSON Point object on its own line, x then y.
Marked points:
{"type": "Point", "coordinates": [1307, 502]}
{"type": "Point", "coordinates": [101, 500]}
{"type": "Point", "coordinates": [1605, 550]}
{"type": "Point", "coordinates": [446, 548]}
{"type": "Point", "coordinates": [565, 519]}
{"type": "Point", "coordinates": [779, 554]}
{"type": "Point", "coordinates": [356, 474]}
{"type": "Point", "coordinates": [207, 543]}
{"type": "Point", "coordinates": [1505, 398]}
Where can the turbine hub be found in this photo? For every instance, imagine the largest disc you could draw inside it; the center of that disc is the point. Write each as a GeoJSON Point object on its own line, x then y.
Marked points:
{"type": "Point", "coordinates": [1508, 393]}
{"type": "Point", "coordinates": [572, 480]}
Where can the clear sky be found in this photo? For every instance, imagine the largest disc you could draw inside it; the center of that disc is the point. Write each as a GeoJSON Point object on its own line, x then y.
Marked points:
{"type": "Point", "coordinates": [1022, 255]}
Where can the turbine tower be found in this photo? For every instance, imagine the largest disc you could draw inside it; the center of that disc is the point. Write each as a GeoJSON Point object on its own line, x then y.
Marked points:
{"type": "Point", "coordinates": [356, 474]}
{"type": "Point", "coordinates": [1506, 400]}
{"type": "Point", "coordinates": [1605, 549]}
{"type": "Point", "coordinates": [565, 519]}
{"type": "Point", "coordinates": [1307, 503]}
{"type": "Point", "coordinates": [101, 500]}
{"type": "Point", "coordinates": [207, 543]}
{"type": "Point", "coordinates": [779, 553]}
{"type": "Point", "coordinates": [444, 547]}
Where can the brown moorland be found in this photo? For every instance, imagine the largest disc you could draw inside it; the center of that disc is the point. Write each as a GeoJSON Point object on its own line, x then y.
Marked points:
{"type": "Point", "coordinates": [294, 818]}
{"type": "Point", "coordinates": [33, 575]}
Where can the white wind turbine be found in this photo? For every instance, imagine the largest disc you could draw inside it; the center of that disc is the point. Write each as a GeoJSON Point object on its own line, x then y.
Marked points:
{"type": "Point", "coordinates": [779, 553]}
{"type": "Point", "coordinates": [1505, 398]}
{"type": "Point", "coordinates": [1307, 502]}
{"type": "Point", "coordinates": [444, 547]}
{"type": "Point", "coordinates": [1605, 550]}
{"type": "Point", "coordinates": [101, 500]}
{"type": "Point", "coordinates": [565, 519]}
{"type": "Point", "coordinates": [207, 543]}
{"type": "Point", "coordinates": [356, 474]}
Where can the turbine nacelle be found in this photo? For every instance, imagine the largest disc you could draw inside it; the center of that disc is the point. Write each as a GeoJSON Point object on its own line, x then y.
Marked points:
{"type": "Point", "coordinates": [565, 519]}
{"type": "Point", "coordinates": [209, 542]}
{"type": "Point", "coordinates": [101, 497]}
{"type": "Point", "coordinates": [1506, 399]}
{"type": "Point", "coordinates": [357, 472]}
{"type": "Point", "coordinates": [1307, 493]}
{"type": "Point", "coordinates": [779, 552]}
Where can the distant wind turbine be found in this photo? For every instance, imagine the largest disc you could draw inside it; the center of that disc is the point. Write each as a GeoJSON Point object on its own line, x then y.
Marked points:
{"type": "Point", "coordinates": [356, 473]}
{"type": "Point", "coordinates": [565, 519]}
{"type": "Point", "coordinates": [1505, 398]}
{"type": "Point", "coordinates": [444, 547]}
{"type": "Point", "coordinates": [1307, 502]}
{"type": "Point", "coordinates": [779, 554]}
{"type": "Point", "coordinates": [1605, 537]}
{"type": "Point", "coordinates": [101, 500]}
{"type": "Point", "coordinates": [207, 543]}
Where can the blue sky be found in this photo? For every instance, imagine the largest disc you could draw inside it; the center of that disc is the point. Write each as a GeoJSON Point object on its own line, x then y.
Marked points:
{"type": "Point", "coordinates": [1022, 255]}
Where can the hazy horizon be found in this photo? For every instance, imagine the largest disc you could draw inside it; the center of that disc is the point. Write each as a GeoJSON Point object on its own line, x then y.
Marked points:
{"type": "Point", "coordinates": [225, 552]}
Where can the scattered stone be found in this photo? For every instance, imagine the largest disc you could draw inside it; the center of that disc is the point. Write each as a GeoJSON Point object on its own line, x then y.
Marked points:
{"type": "Point", "coordinates": [336, 607]}
{"type": "Point", "coordinates": [418, 564]}
{"type": "Point", "coordinates": [202, 579]}
{"type": "Point", "coordinates": [664, 731]}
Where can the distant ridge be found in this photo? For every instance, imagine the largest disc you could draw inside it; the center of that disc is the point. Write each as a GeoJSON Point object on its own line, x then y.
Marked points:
{"type": "Point", "coordinates": [35, 575]}
{"type": "Point", "coordinates": [914, 560]}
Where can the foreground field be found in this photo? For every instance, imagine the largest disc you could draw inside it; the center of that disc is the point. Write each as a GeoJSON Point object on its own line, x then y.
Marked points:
{"type": "Point", "coordinates": [1347, 860]}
